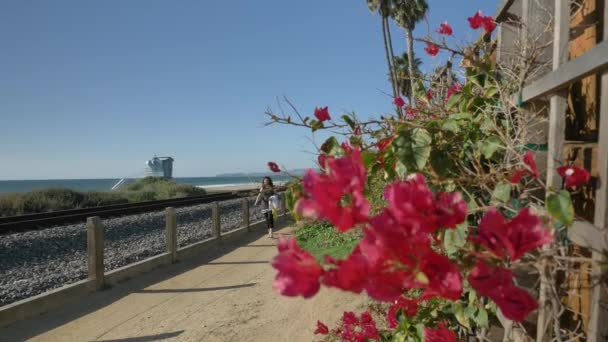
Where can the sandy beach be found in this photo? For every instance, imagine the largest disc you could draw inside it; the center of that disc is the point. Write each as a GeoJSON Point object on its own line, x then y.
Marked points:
{"type": "Point", "coordinates": [235, 187]}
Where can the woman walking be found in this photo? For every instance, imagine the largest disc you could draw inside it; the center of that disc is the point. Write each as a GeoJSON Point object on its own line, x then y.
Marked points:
{"type": "Point", "coordinates": [266, 192]}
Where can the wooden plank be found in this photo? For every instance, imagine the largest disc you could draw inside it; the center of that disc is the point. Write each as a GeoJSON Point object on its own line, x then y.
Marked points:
{"type": "Point", "coordinates": [217, 224]}
{"type": "Point", "coordinates": [589, 63]}
{"type": "Point", "coordinates": [587, 235]}
{"type": "Point", "coordinates": [171, 233]}
{"type": "Point", "coordinates": [598, 329]}
{"type": "Point", "coordinates": [557, 123]}
{"type": "Point", "coordinates": [503, 10]}
{"type": "Point", "coordinates": [95, 252]}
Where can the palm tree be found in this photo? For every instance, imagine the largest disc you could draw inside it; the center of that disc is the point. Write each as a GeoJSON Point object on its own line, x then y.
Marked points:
{"type": "Point", "coordinates": [407, 13]}
{"type": "Point", "coordinates": [383, 8]}
{"type": "Point", "coordinates": [402, 73]}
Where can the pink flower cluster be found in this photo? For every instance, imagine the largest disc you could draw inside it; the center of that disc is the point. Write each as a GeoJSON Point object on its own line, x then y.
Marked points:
{"type": "Point", "coordinates": [396, 253]}
{"type": "Point", "coordinates": [352, 328]}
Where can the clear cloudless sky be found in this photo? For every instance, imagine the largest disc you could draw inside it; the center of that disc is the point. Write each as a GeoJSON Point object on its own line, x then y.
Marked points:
{"type": "Point", "coordinates": [92, 89]}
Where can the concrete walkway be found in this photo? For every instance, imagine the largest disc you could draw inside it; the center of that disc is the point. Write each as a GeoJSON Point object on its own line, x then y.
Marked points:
{"type": "Point", "coordinates": [224, 295]}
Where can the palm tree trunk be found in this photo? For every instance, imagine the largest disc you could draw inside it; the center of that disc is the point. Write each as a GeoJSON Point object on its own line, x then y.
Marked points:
{"type": "Point", "coordinates": [411, 57]}
{"type": "Point", "coordinates": [390, 46]}
{"type": "Point", "coordinates": [388, 58]}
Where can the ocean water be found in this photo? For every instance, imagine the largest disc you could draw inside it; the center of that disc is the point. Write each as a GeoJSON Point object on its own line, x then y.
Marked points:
{"type": "Point", "coordinates": [106, 184]}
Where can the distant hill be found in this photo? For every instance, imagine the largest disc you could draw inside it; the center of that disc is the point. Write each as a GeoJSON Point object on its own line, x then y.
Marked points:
{"type": "Point", "coordinates": [297, 172]}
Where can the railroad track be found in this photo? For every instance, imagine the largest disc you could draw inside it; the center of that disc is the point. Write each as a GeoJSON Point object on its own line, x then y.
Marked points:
{"type": "Point", "coordinates": [39, 221]}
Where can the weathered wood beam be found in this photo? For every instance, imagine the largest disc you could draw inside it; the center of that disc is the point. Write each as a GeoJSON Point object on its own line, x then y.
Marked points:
{"type": "Point", "coordinates": [598, 329]}
{"type": "Point", "coordinates": [503, 10]}
{"type": "Point", "coordinates": [589, 63]}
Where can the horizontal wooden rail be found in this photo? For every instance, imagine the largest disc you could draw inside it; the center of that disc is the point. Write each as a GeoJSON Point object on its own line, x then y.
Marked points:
{"type": "Point", "coordinates": [589, 63]}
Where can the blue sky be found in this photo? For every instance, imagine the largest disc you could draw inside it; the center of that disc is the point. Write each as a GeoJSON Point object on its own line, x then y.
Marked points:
{"type": "Point", "coordinates": [92, 89]}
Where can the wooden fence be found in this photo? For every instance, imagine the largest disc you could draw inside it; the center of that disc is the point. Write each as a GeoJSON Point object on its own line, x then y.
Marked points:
{"type": "Point", "coordinates": [99, 279]}
{"type": "Point", "coordinates": [576, 88]}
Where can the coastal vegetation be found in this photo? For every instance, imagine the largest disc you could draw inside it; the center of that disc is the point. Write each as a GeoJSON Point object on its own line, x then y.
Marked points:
{"type": "Point", "coordinates": [45, 200]}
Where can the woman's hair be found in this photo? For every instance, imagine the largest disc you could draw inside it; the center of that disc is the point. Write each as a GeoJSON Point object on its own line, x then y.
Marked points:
{"type": "Point", "coordinates": [269, 181]}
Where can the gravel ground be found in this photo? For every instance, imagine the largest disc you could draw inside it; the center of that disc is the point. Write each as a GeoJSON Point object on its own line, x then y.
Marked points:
{"type": "Point", "coordinates": [38, 261]}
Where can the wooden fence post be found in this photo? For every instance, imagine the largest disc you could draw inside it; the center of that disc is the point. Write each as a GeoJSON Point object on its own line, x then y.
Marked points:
{"type": "Point", "coordinates": [283, 203]}
{"type": "Point", "coordinates": [95, 251]}
{"type": "Point", "coordinates": [171, 230]}
{"type": "Point", "coordinates": [245, 206]}
{"type": "Point", "coordinates": [557, 132]}
{"type": "Point", "coordinates": [598, 331]}
{"type": "Point", "coordinates": [217, 224]}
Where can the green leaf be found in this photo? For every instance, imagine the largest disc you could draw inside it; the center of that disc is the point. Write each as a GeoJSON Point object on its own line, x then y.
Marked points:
{"type": "Point", "coordinates": [421, 146]}
{"type": "Point", "coordinates": [461, 116]}
{"type": "Point", "coordinates": [560, 207]}
{"type": "Point", "coordinates": [502, 192]}
{"type": "Point", "coordinates": [475, 104]}
{"type": "Point", "coordinates": [461, 316]}
{"type": "Point", "coordinates": [482, 318]}
{"type": "Point", "coordinates": [331, 146]}
{"type": "Point", "coordinates": [368, 159]}
{"type": "Point", "coordinates": [490, 145]}
{"type": "Point", "coordinates": [470, 311]}
{"type": "Point", "coordinates": [491, 91]}
{"type": "Point", "coordinates": [455, 239]}
{"type": "Point", "coordinates": [441, 162]}
{"type": "Point", "coordinates": [454, 100]}
{"type": "Point", "coordinates": [400, 169]}
{"type": "Point", "coordinates": [450, 125]}
{"type": "Point", "coordinates": [349, 121]}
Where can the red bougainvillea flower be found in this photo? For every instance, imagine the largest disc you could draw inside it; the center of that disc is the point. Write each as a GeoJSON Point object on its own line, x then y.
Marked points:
{"type": "Point", "coordinates": [398, 101]}
{"type": "Point", "coordinates": [299, 272]}
{"type": "Point", "coordinates": [383, 144]}
{"type": "Point", "coordinates": [478, 20]}
{"type": "Point", "coordinates": [440, 334]}
{"type": "Point", "coordinates": [486, 279]}
{"type": "Point", "coordinates": [431, 49]}
{"type": "Point", "coordinates": [410, 113]}
{"type": "Point", "coordinates": [322, 159]}
{"type": "Point", "coordinates": [515, 303]}
{"type": "Point", "coordinates": [395, 254]}
{"type": "Point", "coordinates": [346, 147]}
{"type": "Point", "coordinates": [530, 169]}
{"type": "Point", "coordinates": [454, 89]}
{"type": "Point", "coordinates": [350, 274]}
{"type": "Point", "coordinates": [450, 209]}
{"type": "Point", "coordinates": [409, 307]}
{"type": "Point", "coordinates": [322, 114]}
{"type": "Point", "coordinates": [444, 278]}
{"type": "Point", "coordinates": [513, 239]}
{"type": "Point", "coordinates": [496, 283]}
{"type": "Point", "coordinates": [358, 330]}
{"type": "Point", "coordinates": [321, 329]}
{"type": "Point", "coordinates": [573, 175]}
{"type": "Point", "coordinates": [445, 28]}
{"type": "Point", "coordinates": [273, 167]}
{"type": "Point", "coordinates": [337, 195]}
{"type": "Point", "coordinates": [488, 24]}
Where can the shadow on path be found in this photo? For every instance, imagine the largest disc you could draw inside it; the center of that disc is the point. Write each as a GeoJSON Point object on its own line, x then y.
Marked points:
{"type": "Point", "coordinates": [158, 337]}
{"type": "Point", "coordinates": [197, 290]}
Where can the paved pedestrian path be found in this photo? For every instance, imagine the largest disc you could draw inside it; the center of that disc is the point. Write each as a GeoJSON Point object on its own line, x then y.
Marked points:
{"type": "Point", "coordinates": [224, 295]}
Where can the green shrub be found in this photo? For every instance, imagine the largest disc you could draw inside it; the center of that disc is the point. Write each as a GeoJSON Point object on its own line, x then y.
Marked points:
{"type": "Point", "coordinates": [321, 238]}
{"type": "Point", "coordinates": [146, 189]}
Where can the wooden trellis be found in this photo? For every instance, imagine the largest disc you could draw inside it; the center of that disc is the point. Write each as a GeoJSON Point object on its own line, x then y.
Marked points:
{"type": "Point", "coordinates": [576, 59]}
